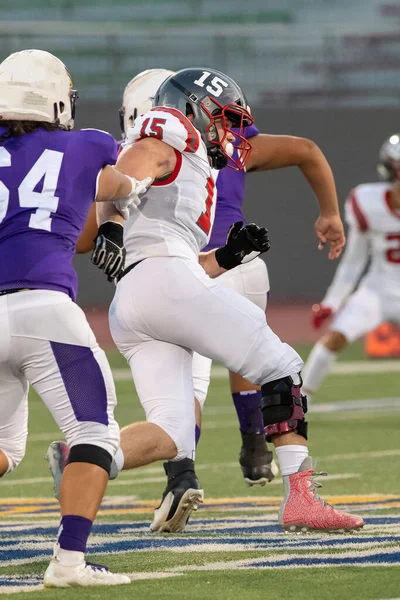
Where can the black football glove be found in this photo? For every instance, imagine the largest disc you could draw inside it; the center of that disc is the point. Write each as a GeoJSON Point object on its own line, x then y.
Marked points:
{"type": "Point", "coordinates": [243, 244]}
{"type": "Point", "coordinates": [109, 252]}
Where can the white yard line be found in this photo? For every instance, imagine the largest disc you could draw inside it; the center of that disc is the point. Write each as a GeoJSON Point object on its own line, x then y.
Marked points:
{"type": "Point", "coordinates": [351, 367]}
{"type": "Point", "coordinates": [43, 437]}
{"type": "Point", "coordinates": [131, 480]}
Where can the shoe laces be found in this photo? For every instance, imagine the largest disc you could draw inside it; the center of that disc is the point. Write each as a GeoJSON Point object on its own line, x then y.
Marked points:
{"type": "Point", "coordinates": [317, 484]}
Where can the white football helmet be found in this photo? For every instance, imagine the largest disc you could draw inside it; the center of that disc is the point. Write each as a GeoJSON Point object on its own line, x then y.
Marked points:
{"type": "Point", "coordinates": [138, 95]}
{"type": "Point", "coordinates": [36, 86]}
{"type": "Point", "coordinates": [388, 166]}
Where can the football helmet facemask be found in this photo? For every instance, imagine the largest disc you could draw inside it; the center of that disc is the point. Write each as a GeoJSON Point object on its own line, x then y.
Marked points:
{"type": "Point", "coordinates": [209, 95]}
{"type": "Point", "coordinates": [139, 94]}
{"type": "Point", "coordinates": [388, 166]}
{"type": "Point", "coordinates": [36, 86]}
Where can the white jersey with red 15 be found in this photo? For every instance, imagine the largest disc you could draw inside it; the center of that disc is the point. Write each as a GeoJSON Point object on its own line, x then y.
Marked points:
{"type": "Point", "coordinates": [176, 214]}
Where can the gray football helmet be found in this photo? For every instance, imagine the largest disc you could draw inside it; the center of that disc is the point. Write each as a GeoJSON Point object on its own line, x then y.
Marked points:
{"type": "Point", "coordinates": [207, 95]}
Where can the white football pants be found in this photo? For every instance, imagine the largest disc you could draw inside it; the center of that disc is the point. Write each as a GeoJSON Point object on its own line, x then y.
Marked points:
{"type": "Point", "coordinates": [365, 310]}
{"type": "Point", "coordinates": [45, 340]}
{"type": "Point", "coordinates": [251, 281]}
{"type": "Point", "coordinates": [167, 307]}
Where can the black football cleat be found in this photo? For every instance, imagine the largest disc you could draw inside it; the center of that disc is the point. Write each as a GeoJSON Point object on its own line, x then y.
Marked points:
{"type": "Point", "coordinates": [180, 498]}
{"type": "Point", "coordinates": [257, 462]}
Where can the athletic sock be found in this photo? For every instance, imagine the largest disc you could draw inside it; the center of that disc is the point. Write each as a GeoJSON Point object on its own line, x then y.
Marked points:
{"type": "Point", "coordinates": [197, 433]}
{"type": "Point", "coordinates": [73, 533]}
{"type": "Point", "coordinates": [290, 458]}
{"type": "Point", "coordinates": [248, 408]}
{"type": "Point", "coordinates": [318, 365]}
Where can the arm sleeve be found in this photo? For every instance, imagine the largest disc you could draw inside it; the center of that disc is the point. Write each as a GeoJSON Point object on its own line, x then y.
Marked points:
{"type": "Point", "coordinates": [168, 125]}
{"type": "Point", "coordinates": [355, 257]}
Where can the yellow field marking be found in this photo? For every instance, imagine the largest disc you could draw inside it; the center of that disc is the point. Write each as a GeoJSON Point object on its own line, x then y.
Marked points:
{"type": "Point", "coordinates": [45, 507]}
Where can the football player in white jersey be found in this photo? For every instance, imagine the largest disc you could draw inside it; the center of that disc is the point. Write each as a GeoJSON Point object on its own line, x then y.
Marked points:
{"type": "Point", "coordinates": [373, 217]}
{"type": "Point", "coordinates": [166, 305]}
{"type": "Point", "coordinates": [250, 279]}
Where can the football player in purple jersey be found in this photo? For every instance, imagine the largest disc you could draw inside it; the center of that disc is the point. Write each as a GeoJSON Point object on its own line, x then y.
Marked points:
{"type": "Point", "coordinates": [49, 177]}
{"type": "Point", "coordinates": [251, 279]}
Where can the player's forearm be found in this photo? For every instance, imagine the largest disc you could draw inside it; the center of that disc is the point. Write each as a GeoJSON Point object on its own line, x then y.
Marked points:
{"type": "Point", "coordinates": [113, 185]}
{"type": "Point", "coordinates": [84, 243]}
{"type": "Point", "coordinates": [318, 173]}
{"type": "Point", "coordinates": [106, 211]}
{"type": "Point", "coordinates": [210, 264]}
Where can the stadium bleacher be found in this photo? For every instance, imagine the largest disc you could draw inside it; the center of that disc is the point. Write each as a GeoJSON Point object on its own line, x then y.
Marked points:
{"type": "Point", "coordinates": [275, 48]}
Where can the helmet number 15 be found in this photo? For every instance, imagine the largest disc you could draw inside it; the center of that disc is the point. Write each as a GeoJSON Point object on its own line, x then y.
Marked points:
{"type": "Point", "coordinates": [216, 85]}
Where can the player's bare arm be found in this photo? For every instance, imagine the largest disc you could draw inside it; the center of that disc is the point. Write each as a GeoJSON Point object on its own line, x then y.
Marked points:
{"type": "Point", "coordinates": [279, 151]}
{"type": "Point", "coordinates": [89, 232]}
{"type": "Point", "coordinates": [106, 211]}
{"type": "Point", "coordinates": [210, 264]}
{"type": "Point", "coordinates": [149, 158]}
{"type": "Point", "coordinates": [113, 185]}
{"type": "Point", "coordinates": [143, 163]}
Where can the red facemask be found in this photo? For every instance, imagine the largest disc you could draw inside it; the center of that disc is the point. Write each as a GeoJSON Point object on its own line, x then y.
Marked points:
{"type": "Point", "coordinates": [240, 117]}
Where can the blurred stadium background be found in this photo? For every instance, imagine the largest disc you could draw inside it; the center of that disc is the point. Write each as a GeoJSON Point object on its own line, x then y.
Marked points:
{"type": "Point", "coordinates": [328, 70]}
{"type": "Point", "coordinates": [324, 69]}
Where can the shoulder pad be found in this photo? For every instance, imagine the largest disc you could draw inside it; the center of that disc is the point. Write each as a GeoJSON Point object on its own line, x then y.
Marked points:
{"type": "Point", "coordinates": [102, 143]}
{"type": "Point", "coordinates": [166, 124]}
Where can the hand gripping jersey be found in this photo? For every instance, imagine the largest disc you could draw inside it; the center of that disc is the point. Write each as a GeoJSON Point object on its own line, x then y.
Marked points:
{"type": "Point", "coordinates": [176, 214]}
{"type": "Point", "coordinates": [230, 197]}
{"type": "Point", "coordinates": [374, 233]}
{"type": "Point", "coordinates": [47, 183]}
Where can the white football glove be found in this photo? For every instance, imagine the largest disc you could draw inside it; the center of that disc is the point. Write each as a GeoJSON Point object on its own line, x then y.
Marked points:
{"type": "Point", "coordinates": [127, 205]}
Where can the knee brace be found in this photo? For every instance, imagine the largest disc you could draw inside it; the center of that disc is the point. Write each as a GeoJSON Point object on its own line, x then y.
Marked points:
{"type": "Point", "coordinates": [283, 407]}
{"type": "Point", "coordinates": [88, 453]}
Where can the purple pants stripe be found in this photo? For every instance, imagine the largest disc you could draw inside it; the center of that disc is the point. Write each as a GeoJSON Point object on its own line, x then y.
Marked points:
{"type": "Point", "coordinates": [83, 381]}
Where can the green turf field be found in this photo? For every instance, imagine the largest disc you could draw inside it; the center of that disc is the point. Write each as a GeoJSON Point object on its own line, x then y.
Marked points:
{"type": "Point", "coordinates": [233, 546]}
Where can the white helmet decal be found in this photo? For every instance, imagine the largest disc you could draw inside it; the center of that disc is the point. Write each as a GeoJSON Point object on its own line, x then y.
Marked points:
{"type": "Point", "coordinates": [36, 86]}
{"type": "Point", "coordinates": [138, 95]}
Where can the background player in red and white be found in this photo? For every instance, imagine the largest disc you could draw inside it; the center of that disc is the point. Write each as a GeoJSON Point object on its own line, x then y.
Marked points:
{"type": "Point", "coordinates": [49, 177]}
{"type": "Point", "coordinates": [373, 217]}
{"type": "Point", "coordinates": [165, 304]}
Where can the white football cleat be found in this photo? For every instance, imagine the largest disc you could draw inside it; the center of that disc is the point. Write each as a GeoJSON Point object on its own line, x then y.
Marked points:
{"type": "Point", "coordinates": [56, 456]}
{"type": "Point", "coordinates": [83, 574]}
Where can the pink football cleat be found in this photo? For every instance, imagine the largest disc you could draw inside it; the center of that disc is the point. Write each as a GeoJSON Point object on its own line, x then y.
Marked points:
{"type": "Point", "coordinates": [303, 510]}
